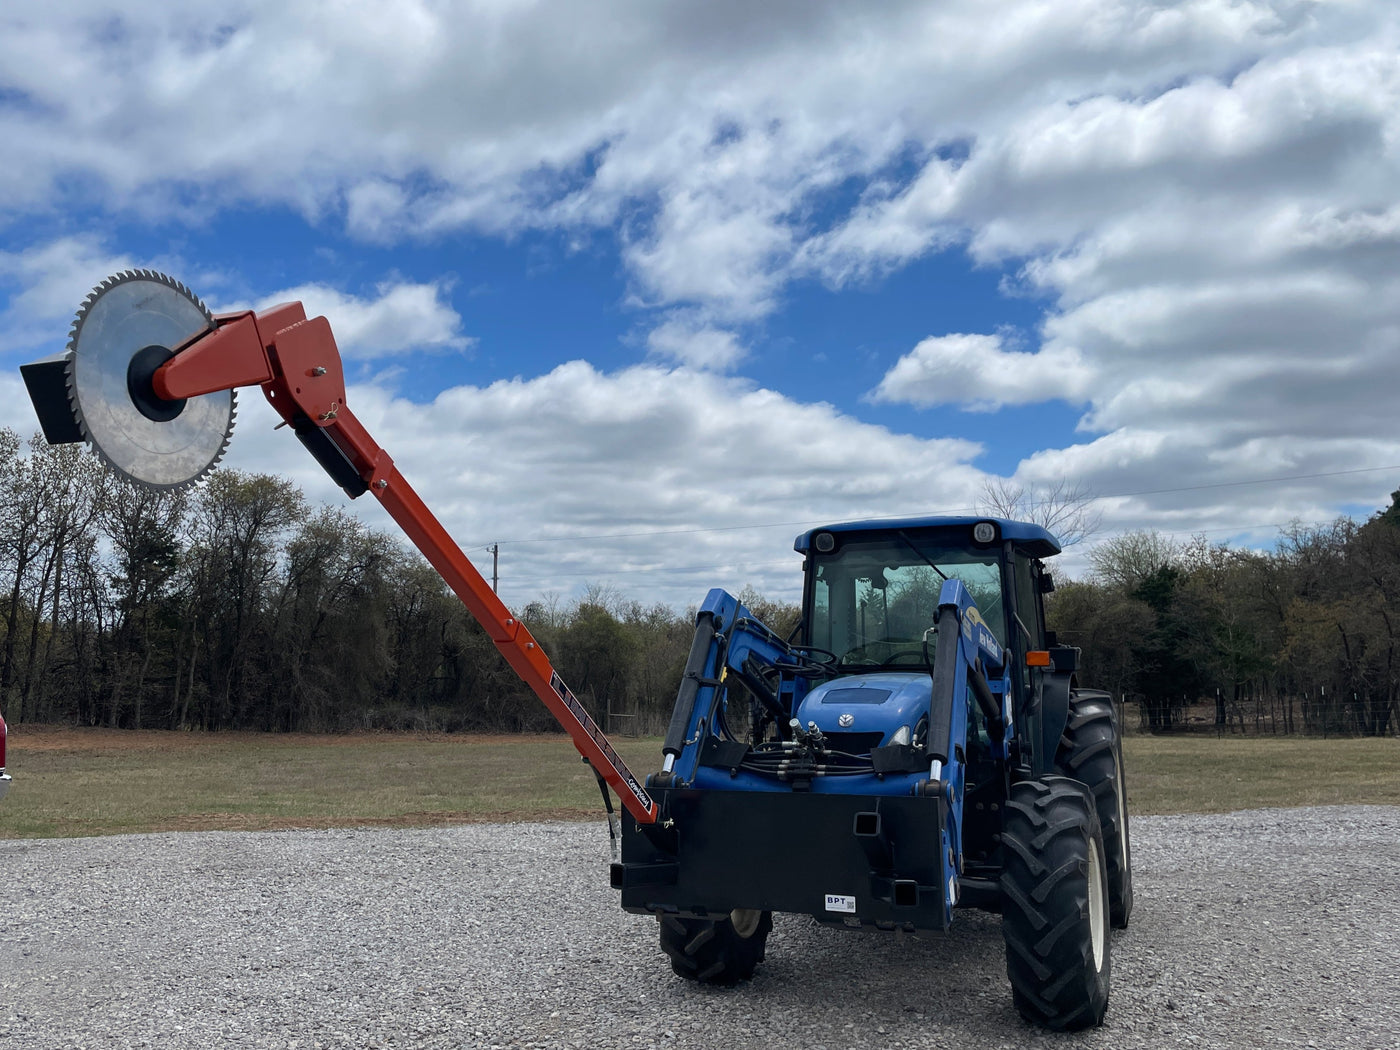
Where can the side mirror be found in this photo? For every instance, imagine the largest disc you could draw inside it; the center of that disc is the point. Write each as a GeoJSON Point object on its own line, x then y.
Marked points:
{"type": "Point", "coordinates": [1047, 583]}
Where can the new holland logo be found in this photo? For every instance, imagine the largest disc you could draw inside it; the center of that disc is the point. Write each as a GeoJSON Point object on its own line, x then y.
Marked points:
{"type": "Point", "coordinates": [846, 720]}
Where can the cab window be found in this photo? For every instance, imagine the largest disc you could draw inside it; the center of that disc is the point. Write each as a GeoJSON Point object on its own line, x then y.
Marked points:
{"type": "Point", "coordinates": [873, 599]}
{"type": "Point", "coordinates": [1028, 606]}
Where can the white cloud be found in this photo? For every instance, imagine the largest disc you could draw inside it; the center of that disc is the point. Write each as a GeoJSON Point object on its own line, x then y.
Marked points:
{"type": "Point", "coordinates": [712, 134]}
{"type": "Point", "coordinates": [400, 317]}
{"type": "Point", "coordinates": [979, 373]}
{"type": "Point", "coordinates": [46, 283]}
{"type": "Point", "coordinates": [1203, 193]}
{"type": "Point", "coordinates": [689, 340]}
{"type": "Point", "coordinates": [649, 472]}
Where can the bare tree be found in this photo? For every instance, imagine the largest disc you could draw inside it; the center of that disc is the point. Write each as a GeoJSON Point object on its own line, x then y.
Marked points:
{"type": "Point", "coordinates": [53, 496]}
{"type": "Point", "coordinates": [1065, 510]}
{"type": "Point", "coordinates": [1127, 560]}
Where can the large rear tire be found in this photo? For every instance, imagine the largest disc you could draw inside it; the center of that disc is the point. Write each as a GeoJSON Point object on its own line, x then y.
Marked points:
{"type": "Point", "coordinates": [1055, 904]}
{"type": "Point", "coordinates": [1091, 752]}
{"type": "Point", "coordinates": [721, 951]}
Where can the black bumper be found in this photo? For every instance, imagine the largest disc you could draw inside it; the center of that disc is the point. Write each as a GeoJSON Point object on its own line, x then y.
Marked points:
{"type": "Point", "coordinates": [848, 859]}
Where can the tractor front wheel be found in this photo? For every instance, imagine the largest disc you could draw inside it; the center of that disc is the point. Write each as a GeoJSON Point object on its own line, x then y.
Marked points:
{"type": "Point", "coordinates": [722, 951]}
{"type": "Point", "coordinates": [1054, 913]}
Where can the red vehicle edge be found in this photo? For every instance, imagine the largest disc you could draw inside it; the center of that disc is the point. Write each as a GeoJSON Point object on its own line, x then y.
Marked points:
{"type": "Point", "coordinates": [5, 778]}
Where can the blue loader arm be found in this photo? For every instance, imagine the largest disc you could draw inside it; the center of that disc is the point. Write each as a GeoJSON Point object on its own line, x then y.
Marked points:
{"type": "Point", "coordinates": [729, 639]}
{"type": "Point", "coordinates": [966, 655]}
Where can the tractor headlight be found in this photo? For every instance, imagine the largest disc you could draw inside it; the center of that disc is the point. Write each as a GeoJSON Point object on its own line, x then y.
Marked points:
{"type": "Point", "coordinates": [902, 735]}
{"type": "Point", "coordinates": [825, 542]}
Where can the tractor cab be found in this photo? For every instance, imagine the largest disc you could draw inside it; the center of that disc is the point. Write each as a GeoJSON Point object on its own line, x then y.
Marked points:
{"type": "Point", "coordinates": [871, 588]}
{"type": "Point", "coordinates": [870, 603]}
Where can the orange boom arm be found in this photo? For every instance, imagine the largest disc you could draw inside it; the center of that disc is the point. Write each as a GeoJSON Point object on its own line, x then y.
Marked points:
{"type": "Point", "coordinates": [298, 366]}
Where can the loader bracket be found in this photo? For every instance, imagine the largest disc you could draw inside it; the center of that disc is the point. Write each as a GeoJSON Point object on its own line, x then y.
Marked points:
{"type": "Point", "coordinates": [789, 851]}
{"type": "Point", "coordinates": [723, 754]}
{"type": "Point", "coordinates": [899, 758]}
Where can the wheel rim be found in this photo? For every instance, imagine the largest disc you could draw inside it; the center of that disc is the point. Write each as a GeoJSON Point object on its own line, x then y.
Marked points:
{"type": "Point", "coordinates": [1098, 924]}
{"type": "Point", "coordinates": [745, 921]}
{"type": "Point", "coordinates": [1122, 820]}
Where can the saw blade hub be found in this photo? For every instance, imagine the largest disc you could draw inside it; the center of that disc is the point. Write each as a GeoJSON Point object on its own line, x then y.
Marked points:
{"type": "Point", "coordinates": [139, 374]}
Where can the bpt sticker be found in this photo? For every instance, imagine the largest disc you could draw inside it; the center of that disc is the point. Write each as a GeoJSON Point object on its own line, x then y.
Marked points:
{"type": "Point", "coordinates": [838, 902]}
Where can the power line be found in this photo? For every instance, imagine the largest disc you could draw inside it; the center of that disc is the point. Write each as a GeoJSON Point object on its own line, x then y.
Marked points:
{"type": "Point", "coordinates": [575, 538]}
{"type": "Point", "coordinates": [1231, 528]}
{"type": "Point", "coordinates": [672, 571]}
{"type": "Point", "coordinates": [666, 570]}
{"type": "Point", "coordinates": [657, 532]}
{"type": "Point", "coordinates": [1251, 481]}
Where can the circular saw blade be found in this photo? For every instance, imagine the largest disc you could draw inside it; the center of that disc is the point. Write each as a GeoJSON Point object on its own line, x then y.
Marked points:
{"type": "Point", "coordinates": [125, 316]}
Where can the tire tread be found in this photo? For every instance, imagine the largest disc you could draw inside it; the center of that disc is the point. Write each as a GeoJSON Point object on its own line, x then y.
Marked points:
{"type": "Point", "coordinates": [710, 951]}
{"type": "Point", "coordinates": [1091, 751]}
{"type": "Point", "coordinates": [1045, 904]}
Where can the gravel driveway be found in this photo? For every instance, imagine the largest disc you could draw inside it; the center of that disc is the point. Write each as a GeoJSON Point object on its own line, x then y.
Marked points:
{"type": "Point", "coordinates": [1262, 928]}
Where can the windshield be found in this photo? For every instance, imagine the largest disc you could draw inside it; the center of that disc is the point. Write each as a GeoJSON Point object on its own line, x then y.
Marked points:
{"type": "Point", "coordinates": [872, 600]}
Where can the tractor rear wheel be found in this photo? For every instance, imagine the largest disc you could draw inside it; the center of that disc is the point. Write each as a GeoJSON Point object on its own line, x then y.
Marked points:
{"type": "Point", "coordinates": [1055, 904]}
{"type": "Point", "coordinates": [1091, 752]}
{"type": "Point", "coordinates": [722, 951]}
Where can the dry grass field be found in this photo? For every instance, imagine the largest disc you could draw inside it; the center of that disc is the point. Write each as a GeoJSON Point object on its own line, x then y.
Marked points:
{"type": "Point", "coordinates": [102, 782]}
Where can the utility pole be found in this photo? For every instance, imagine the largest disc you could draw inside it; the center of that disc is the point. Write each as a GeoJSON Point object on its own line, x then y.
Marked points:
{"type": "Point", "coordinates": [495, 550]}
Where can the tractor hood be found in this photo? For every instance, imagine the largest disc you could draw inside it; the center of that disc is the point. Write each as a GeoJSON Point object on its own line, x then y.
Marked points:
{"type": "Point", "coordinates": [863, 711]}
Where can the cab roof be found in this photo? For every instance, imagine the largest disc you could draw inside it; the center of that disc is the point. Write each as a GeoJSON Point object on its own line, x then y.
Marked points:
{"type": "Point", "coordinates": [1033, 539]}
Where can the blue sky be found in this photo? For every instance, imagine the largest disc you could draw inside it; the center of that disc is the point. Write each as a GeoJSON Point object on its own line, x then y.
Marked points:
{"type": "Point", "coordinates": [638, 290]}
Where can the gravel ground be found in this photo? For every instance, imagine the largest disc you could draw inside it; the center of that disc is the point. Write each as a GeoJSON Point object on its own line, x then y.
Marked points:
{"type": "Point", "coordinates": [1262, 928]}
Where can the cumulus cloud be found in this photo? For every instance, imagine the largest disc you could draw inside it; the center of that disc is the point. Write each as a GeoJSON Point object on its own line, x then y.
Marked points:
{"type": "Point", "coordinates": [46, 282]}
{"type": "Point", "coordinates": [1202, 195]}
{"type": "Point", "coordinates": [716, 136]}
{"type": "Point", "coordinates": [687, 477]}
{"type": "Point", "coordinates": [400, 317]}
{"type": "Point", "coordinates": [45, 285]}
{"type": "Point", "coordinates": [691, 341]}
{"type": "Point", "coordinates": [978, 372]}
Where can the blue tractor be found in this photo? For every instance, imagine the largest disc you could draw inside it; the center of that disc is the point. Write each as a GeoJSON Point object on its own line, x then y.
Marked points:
{"type": "Point", "coordinates": [920, 743]}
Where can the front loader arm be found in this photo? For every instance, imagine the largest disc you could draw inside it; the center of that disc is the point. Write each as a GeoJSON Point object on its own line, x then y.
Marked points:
{"type": "Point", "coordinates": [297, 364]}
{"type": "Point", "coordinates": [729, 641]}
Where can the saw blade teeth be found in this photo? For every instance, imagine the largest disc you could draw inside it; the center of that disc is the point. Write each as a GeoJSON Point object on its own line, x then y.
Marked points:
{"type": "Point", "coordinates": [73, 407]}
{"type": "Point", "coordinates": [95, 435]}
{"type": "Point", "coordinates": [228, 432]}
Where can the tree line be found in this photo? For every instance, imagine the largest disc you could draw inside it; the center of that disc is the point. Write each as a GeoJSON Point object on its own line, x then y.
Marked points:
{"type": "Point", "coordinates": [239, 605]}
{"type": "Point", "coordinates": [1305, 637]}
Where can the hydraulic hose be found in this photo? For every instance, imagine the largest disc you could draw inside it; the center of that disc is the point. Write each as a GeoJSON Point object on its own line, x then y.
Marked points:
{"type": "Point", "coordinates": [991, 710]}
